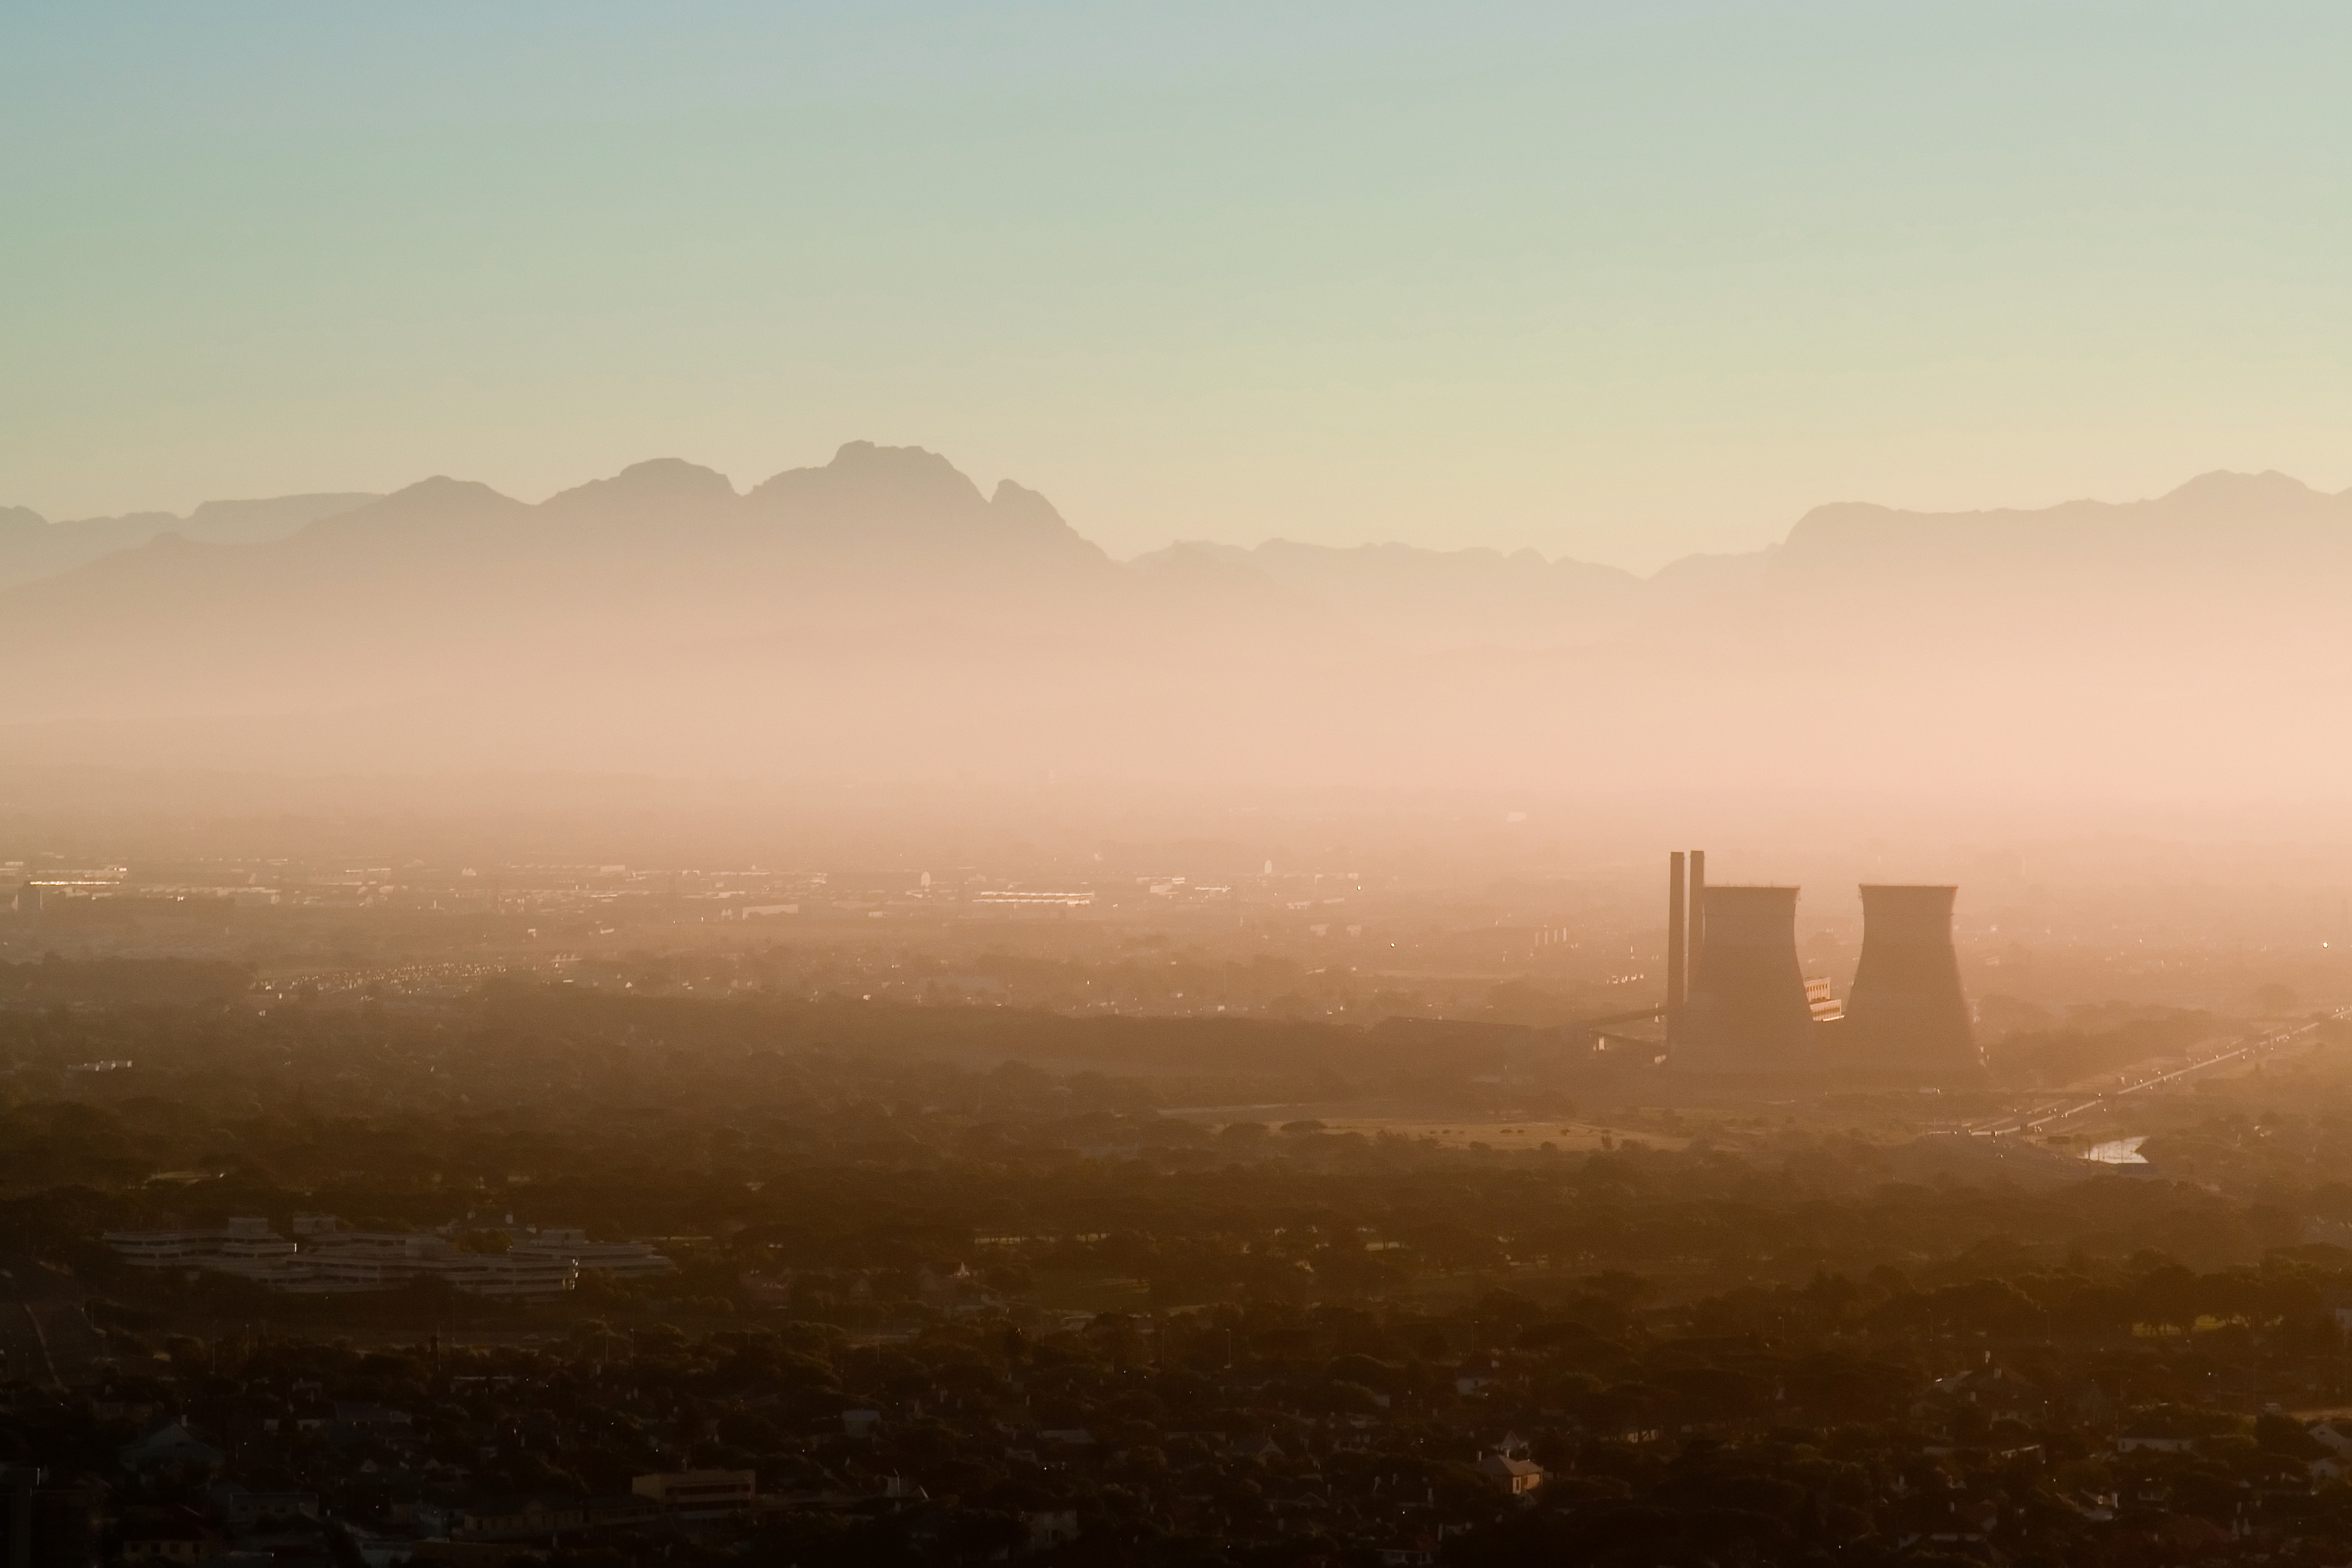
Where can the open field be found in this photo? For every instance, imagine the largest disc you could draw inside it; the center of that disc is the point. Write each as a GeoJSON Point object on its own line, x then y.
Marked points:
{"type": "Point", "coordinates": [1385, 1120]}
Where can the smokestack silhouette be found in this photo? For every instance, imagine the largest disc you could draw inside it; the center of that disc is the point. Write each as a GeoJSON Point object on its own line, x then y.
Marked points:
{"type": "Point", "coordinates": [1746, 1011]}
{"type": "Point", "coordinates": [1907, 1014]}
{"type": "Point", "coordinates": [1677, 936]}
{"type": "Point", "coordinates": [1694, 934]}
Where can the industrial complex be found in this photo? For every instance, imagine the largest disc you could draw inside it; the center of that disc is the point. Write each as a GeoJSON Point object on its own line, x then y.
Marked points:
{"type": "Point", "coordinates": [1739, 1004]}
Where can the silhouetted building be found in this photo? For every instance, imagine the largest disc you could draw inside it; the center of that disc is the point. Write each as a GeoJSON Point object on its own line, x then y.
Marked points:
{"type": "Point", "coordinates": [1685, 929]}
{"type": "Point", "coordinates": [1906, 1016]}
{"type": "Point", "coordinates": [1677, 947]}
{"type": "Point", "coordinates": [1748, 1010]}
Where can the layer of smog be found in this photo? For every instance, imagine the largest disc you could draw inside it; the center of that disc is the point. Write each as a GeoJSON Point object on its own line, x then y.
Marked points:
{"type": "Point", "coordinates": [614, 1168]}
{"type": "Point", "coordinates": [880, 616]}
{"type": "Point", "coordinates": [1211, 786]}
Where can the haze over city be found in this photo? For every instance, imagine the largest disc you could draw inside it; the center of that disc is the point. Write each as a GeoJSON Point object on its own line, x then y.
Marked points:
{"type": "Point", "coordinates": [1328, 786]}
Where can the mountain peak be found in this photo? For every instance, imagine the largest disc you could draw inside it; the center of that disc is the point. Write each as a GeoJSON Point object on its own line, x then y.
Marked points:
{"type": "Point", "coordinates": [658, 482]}
{"type": "Point", "coordinates": [441, 490]}
{"type": "Point", "coordinates": [871, 482]}
{"type": "Point", "coordinates": [868, 457]}
{"type": "Point", "coordinates": [437, 503]}
{"type": "Point", "coordinates": [2229, 487]}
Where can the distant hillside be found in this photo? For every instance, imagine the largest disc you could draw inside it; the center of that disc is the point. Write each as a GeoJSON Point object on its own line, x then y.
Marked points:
{"type": "Point", "coordinates": [32, 547]}
{"type": "Point", "coordinates": [447, 591]}
{"type": "Point", "coordinates": [881, 616]}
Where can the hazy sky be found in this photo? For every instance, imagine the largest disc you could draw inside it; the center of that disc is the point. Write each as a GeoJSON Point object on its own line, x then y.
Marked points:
{"type": "Point", "coordinates": [1620, 280]}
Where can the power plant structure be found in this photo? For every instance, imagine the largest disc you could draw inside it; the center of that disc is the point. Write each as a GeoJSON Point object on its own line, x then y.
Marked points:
{"type": "Point", "coordinates": [1739, 1004]}
{"type": "Point", "coordinates": [1907, 1018]}
{"type": "Point", "coordinates": [1746, 1010]}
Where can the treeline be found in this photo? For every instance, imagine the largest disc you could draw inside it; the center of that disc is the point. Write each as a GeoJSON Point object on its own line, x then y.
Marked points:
{"type": "Point", "coordinates": [817, 1137]}
{"type": "Point", "coordinates": [53, 982]}
{"type": "Point", "coordinates": [2090, 1045]}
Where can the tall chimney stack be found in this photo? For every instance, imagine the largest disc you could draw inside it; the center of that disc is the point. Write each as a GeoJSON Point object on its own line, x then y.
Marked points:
{"type": "Point", "coordinates": [1695, 932]}
{"type": "Point", "coordinates": [1677, 925]}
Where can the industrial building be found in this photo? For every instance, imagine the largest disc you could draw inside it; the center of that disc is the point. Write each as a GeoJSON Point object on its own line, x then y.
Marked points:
{"type": "Point", "coordinates": [1908, 1019]}
{"type": "Point", "coordinates": [328, 1259]}
{"type": "Point", "coordinates": [1746, 1010]}
{"type": "Point", "coordinates": [1738, 1002]}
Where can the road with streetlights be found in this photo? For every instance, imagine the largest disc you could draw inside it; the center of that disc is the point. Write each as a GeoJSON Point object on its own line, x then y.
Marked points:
{"type": "Point", "coordinates": [2053, 1114]}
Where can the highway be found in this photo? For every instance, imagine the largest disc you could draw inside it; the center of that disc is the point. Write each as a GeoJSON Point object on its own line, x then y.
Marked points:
{"type": "Point", "coordinates": [2058, 1110]}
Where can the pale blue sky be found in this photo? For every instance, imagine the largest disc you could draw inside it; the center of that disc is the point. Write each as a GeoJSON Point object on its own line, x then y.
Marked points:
{"type": "Point", "coordinates": [1619, 282]}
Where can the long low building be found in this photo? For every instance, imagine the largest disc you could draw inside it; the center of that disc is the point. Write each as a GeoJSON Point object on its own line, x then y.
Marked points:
{"type": "Point", "coordinates": [244, 1245]}
{"type": "Point", "coordinates": [700, 1493]}
{"type": "Point", "coordinates": [623, 1260]}
{"type": "Point", "coordinates": [163, 1249]}
{"type": "Point", "coordinates": [326, 1262]}
{"type": "Point", "coordinates": [541, 1518]}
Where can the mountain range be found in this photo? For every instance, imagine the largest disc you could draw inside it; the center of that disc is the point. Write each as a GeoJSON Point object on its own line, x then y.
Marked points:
{"type": "Point", "coordinates": [881, 615]}
{"type": "Point", "coordinates": [32, 547]}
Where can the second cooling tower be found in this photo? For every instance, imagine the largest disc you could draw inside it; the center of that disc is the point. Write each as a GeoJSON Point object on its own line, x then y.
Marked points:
{"type": "Point", "coordinates": [1907, 1016]}
{"type": "Point", "coordinates": [1746, 1011]}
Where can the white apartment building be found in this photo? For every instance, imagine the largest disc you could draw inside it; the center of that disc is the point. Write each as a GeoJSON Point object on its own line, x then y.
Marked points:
{"type": "Point", "coordinates": [245, 1246]}
{"type": "Point", "coordinates": [331, 1260]}
{"type": "Point", "coordinates": [505, 1273]}
{"type": "Point", "coordinates": [339, 1260]}
{"type": "Point", "coordinates": [163, 1248]}
{"type": "Point", "coordinates": [250, 1247]}
{"type": "Point", "coordinates": [623, 1260]}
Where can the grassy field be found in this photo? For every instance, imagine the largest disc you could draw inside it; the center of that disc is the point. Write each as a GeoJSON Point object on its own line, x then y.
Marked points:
{"type": "Point", "coordinates": [1658, 1131]}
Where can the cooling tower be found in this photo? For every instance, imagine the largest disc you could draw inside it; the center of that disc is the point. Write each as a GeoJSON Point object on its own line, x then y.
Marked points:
{"type": "Point", "coordinates": [1906, 1016]}
{"type": "Point", "coordinates": [1746, 1011]}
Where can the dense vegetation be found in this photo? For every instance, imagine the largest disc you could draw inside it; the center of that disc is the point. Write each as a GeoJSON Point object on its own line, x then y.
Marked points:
{"type": "Point", "coordinates": [1195, 1337]}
